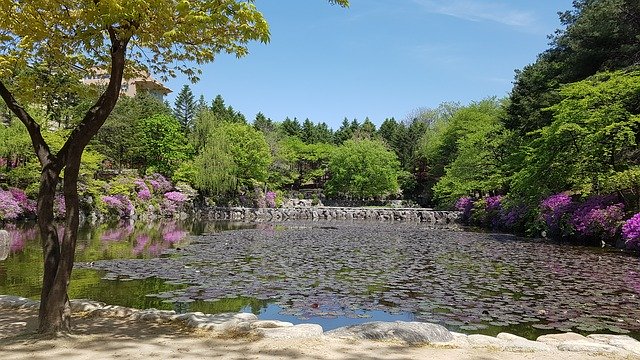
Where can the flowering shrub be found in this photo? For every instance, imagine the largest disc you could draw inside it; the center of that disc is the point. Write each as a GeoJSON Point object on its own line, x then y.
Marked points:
{"type": "Point", "coordinates": [465, 205]}
{"type": "Point", "coordinates": [631, 232]}
{"type": "Point", "coordinates": [27, 206]}
{"type": "Point", "coordinates": [555, 211]}
{"type": "Point", "coordinates": [597, 216]}
{"type": "Point", "coordinates": [159, 183]}
{"type": "Point", "coordinates": [119, 204]}
{"type": "Point", "coordinates": [172, 202]}
{"type": "Point", "coordinates": [144, 193]}
{"type": "Point", "coordinates": [514, 217]}
{"type": "Point", "coordinates": [270, 199]}
{"type": "Point", "coordinates": [9, 207]}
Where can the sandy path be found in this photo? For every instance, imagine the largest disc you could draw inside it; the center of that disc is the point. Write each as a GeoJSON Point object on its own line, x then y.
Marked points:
{"type": "Point", "coordinates": [109, 338]}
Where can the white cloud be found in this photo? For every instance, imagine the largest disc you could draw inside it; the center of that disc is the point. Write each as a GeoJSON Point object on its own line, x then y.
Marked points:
{"type": "Point", "coordinates": [480, 10]}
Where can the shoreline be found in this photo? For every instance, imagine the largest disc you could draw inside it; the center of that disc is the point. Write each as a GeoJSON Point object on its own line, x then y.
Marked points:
{"type": "Point", "coordinates": [107, 331]}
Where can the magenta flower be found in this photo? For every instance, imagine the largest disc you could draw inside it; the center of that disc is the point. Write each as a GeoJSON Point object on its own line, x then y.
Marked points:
{"type": "Point", "coordinates": [631, 231]}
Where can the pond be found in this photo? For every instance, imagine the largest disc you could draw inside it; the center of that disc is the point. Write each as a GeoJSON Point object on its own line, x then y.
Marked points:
{"type": "Point", "coordinates": [341, 273]}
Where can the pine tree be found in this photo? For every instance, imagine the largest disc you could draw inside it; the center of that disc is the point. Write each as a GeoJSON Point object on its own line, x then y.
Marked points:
{"type": "Point", "coordinates": [185, 108]}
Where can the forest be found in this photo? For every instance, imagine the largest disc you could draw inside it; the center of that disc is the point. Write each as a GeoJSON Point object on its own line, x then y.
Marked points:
{"type": "Point", "coordinates": [559, 156]}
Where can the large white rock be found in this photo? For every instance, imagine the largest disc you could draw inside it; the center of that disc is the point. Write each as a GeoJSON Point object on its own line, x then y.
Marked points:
{"type": "Point", "coordinates": [520, 344]}
{"type": "Point", "coordinates": [589, 346]}
{"type": "Point", "coordinates": [555, 339]}
{"type": "Point", "coordinates": [622, 341]}
{"type": "Point", "coordinates": [409, 332]}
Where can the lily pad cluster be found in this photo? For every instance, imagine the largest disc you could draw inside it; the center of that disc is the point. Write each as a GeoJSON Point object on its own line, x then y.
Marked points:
{"type": "Point", "coordinates": [463, 280]}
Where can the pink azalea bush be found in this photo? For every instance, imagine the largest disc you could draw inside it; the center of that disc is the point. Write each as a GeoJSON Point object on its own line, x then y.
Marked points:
{"type": "Point", "coordinates": [9, 206]}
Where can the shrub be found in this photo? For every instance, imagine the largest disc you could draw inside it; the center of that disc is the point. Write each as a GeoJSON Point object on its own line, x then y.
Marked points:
{"type": "Point", "coordinates": [9, 207]}
{"type": "Point", "coordinates": [597, 217]}
{"type": "Point", "coordinates": [465, 205]}
{"type": "Point", "coordinates": [631, 232]}
{"type": "Point", "coordinates": [555, 212]}
{"type": "Point", "coordinates": [270, 199]}
{"type": "Point", "coordinates": [159, 183]}
{"type": "Point", "coordinates": [119, 205]}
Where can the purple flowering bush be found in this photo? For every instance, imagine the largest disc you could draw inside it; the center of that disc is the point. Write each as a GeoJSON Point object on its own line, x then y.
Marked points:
{"type": "Point", "coordinates": [514, 216]}
{"type": "Point", "coordinates": [9, 207]}
{"type": "Point", "coordinates": [119, 205]}
{"type": "Point", "coordinates": [597, 217]}
{"type": "Point", "coordinates": [555, 213]}
{"type": "Point", "coordinates": [465, 205]}
{"type": "Point", "coordinates": [631, 232]}
{"type": "Point", "coordinates": [143, 191]}
{"type": "Point", "coordinates": [270, 199]}
{"type": "Point", "coordinates": [59, 207]}
{"type": "Point", "coordinates": [173, 202]}
{"type": "Point", "coordinates": [159, 183]}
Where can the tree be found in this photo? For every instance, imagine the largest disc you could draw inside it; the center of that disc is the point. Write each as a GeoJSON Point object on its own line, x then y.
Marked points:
{"type": "Point", "coordinates": [263, 124]}
{"type": "Point", "coordinates": [185, 108]}
{"type": "Point", "coordinates": [232, 155]}
{"type": "Point", "coordinates": [103, 35]}
{"type": "Point", "coordinates": [363, 169]}
{"type": "Point", "coordinates": [163, 144]}
{"type": "Point", "coordinates": [591, 147]}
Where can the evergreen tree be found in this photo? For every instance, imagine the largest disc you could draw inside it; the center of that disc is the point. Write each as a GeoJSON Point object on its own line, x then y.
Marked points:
{"type": "Point", "coordinates": [309, 132]}
{"type": "Point", "coordinates": [264, 124]}
{"type": "Point", "coordinates": [344, 133]}
{"type": "Point", "coordinates": [291, 127]}
{"type": "Point", "coordinates": [185, 108]}
{"type": "Point", "coordinates": [201, 105]}
{"type": "Point", "coordinates": [324, 134]}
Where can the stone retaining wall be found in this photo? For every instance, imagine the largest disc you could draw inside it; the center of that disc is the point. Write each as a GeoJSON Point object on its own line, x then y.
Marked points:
{"type": "Point", "coordinates": [330, 213]}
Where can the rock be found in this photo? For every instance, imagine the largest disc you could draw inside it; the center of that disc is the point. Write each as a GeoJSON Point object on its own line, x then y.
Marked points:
{"type": "Point", "coordinates": [484, 341]}
{"type": "Point", "coordinates": [86, 305]}
{"type": "Point", "coordinates": [292, 332]}
{"type": "Point", "coordinates": [520, 344]}
{"type": "Point", "coordinates": [409, 332]}
{"type": "Point", "coordinates": [622, 341]}
{"type": "Point", "coordinates": [270, 324]}
{"type": "Point", "coordinates": [555, 339]}
{"type": "Point", "coordinates": [590, 346]}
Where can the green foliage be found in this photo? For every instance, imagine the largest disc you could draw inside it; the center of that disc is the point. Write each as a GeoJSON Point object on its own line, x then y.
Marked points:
{"type": "Point", "coordinates": [471, 146]}
{"type": "Point", "coordinates": [592, 142]}
{"type": "Point", "coordinates": [598, 35]}
{"type": "Point", "coordinates": [363, 169]}
{"type": "Point", "coordinates": [162, 143]}
{"type": "Point", "coordinates": [231, 155]}
{"type": "Point", "coordinates": [119, 139]}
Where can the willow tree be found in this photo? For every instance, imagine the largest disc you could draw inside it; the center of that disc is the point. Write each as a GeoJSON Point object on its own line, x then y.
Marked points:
{"type": "Point", "coordinates": [112, 37]}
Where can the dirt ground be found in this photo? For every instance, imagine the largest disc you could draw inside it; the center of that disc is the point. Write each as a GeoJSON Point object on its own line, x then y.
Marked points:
{"type": "Point", "coordinates": [111, 338]}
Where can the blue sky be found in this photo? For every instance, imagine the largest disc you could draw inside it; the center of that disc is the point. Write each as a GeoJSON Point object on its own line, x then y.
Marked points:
{"type": "Point", "coordinates": [379, 58]}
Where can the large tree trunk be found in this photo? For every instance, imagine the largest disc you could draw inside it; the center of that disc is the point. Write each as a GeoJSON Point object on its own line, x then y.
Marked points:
{"type": "Point", "coordinates": [55, 311]}
{"type": "Point", "coordinates": [52, 307]}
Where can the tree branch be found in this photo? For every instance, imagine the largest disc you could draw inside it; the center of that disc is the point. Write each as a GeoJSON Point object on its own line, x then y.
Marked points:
{"type": "Point", "coordinates": [98, 113]}
{"type": "Point", "coordinates": [39, 144]}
